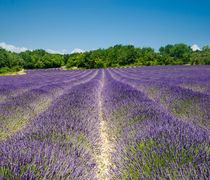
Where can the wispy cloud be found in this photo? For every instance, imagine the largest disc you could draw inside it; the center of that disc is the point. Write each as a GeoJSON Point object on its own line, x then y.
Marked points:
{"type": "Point", "coordinates": [195, 47]}
{"type": "Point", "coordinates": [77, 50]}
{"type": "Point", "coordinates": [64, 51]}
{"type": "Point", "coordinates": [12, 48]}
{"type": "Point", "coordinates": [53, 51]}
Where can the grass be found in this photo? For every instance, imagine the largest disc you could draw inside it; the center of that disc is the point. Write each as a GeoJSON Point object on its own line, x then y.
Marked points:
{"type": "Point", "coordinates": [194, 87]}
{"type": "Point", "coordinates": [71, 68]}
{"type": "Point", "coordinates": [22, 72]}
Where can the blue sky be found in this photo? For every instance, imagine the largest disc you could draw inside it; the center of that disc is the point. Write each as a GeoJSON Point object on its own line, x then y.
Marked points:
{"type": "Point", "coordinates": [63, 25]}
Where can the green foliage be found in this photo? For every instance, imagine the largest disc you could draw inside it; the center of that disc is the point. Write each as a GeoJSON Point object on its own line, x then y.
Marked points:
{"type": "Point", "coordinates": [120, 55]}
{"type": "Point", "coordinates": [206, 48]}
{"type": "Point", "coordinates": [4, 70]}
{"type": "Point", "coordinates": [116, 56]}
{"type": "Point", "coordinates": [40, 59]}
{"type": "Point", "coordinates": [178, 54]}
{"type": "Point", "coordinates": [201, 57]}
{"type": "Point", "coordinates": [9, 62]}
{"type": "Point", "coordinates": [37, 59]}
{"type": "Point", "coordinates": [99, 63]}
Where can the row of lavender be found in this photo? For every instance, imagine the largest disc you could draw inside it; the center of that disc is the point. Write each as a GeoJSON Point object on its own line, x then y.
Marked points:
{"type": "Point", "coordinates": [51, 127]}
{"type": "Point", "coordinates": [16, 111]}
{"type": "Point", "coordinates": [11, 86]}
{"type": "Point", "coordinates": [149, 142]}
{"type": "Point", "coordinates": [168, 87]}
{"type": "Point", "coordinates": [191, 77]}
{"type": "Point", "coordinates": [61, 142]}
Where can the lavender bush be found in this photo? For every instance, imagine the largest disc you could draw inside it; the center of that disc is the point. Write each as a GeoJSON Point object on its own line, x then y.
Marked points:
{"type": "Point", "coordinates": [150, 143]}
{"type": "Point", "coordinates": [55, 124]}
{"type": "Point", "coordinates": [165, 89]}
{"type": "Point", "coordinates": [60, 142]}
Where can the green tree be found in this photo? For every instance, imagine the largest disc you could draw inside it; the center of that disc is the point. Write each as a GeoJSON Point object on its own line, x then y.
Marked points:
{"type": "Point", "coordinates": [201, 57]}
{"type": "Point", "coordinates": [99, 63]}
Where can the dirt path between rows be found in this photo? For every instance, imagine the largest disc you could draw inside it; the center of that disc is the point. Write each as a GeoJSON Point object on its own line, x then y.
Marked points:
{"type": "Point", "coordinates": [104, 157]}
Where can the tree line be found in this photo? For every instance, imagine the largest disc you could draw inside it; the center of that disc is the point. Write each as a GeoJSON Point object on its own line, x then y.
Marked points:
{"type": "Point", "coordinates": [116, 56]}
{"type": "Point", "coordinates": [37, 59]}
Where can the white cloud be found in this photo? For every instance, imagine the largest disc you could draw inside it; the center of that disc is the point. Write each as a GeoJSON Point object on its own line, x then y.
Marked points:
{"type": "Point", "coordinates": [53, 51]}
{"type": "Point", "coordinates": [12, 48]}
{"type": "Point", "coordinates": [77, 51]}
{"type": "Point", "coordinates": [64, 51]}
{"type": "Point", "coordinates": [195, 47]}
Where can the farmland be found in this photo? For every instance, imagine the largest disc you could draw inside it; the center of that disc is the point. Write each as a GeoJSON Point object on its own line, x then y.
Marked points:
{"type": "Point", "coordinates": [114, 123]}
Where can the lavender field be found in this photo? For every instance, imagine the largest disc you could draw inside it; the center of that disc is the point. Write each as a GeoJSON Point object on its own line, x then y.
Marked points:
{"type": "Point", "coordinates": [119, 123]}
